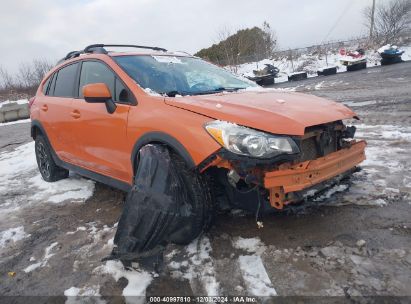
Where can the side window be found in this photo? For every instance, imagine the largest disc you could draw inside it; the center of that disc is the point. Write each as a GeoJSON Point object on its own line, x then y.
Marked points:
{"type": "Point", "coordinates": [52, 85]}
{"type": "Point", "coordinates": [121, 92]}
{"type": "Point", "coordinates": [65, 81]}
{"type": "Point", "coordinates": [96, 72]}
{"type": "Point", "coordinates": [46, 85]}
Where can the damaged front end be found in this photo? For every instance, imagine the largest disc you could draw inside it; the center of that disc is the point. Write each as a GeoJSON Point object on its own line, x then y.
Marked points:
{"type": "Point", "coordinates": [325, 152]}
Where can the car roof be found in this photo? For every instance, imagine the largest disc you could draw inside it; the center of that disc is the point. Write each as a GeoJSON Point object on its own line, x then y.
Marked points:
{"type": "Point", "coordinates": [152, 53]}
{"type": "Point", "coordinates": [101, 49]}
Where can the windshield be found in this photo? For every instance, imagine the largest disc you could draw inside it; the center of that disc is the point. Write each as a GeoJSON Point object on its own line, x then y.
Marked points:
{"type": "Point", "coordinates": [173, 75]}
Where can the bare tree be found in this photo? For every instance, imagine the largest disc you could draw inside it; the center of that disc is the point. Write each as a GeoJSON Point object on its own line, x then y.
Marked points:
{"type": "Point", "coordinates": [391, 20]}
{"type": "Point", "coordinates": [6, 80]}
{"type": "Point", "coordinates": [222, 36]}
{"type": "Point", "coordinates": [40, 69]}
{"type": "Point", "coordinates": [30, 74]}
{"type": "Point", "coordinates": [25, 76]}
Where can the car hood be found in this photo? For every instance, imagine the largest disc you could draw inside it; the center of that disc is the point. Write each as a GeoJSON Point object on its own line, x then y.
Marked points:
{"type": "Point", "coordinates": [276, 112]}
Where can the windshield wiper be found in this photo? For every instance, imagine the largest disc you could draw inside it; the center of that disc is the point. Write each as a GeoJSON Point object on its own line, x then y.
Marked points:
{"type": "Point", "coordinates": [173, 93]}
{"type": "Point", "coordinates": [217, 90]}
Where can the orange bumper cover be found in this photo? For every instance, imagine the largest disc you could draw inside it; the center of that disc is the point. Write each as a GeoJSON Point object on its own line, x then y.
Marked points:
{"type": "Point", "coordinates": [309, 173]}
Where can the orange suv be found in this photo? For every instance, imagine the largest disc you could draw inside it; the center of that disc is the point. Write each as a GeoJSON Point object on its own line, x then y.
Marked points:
{"type": "Point", "coordinates": [173, 129]}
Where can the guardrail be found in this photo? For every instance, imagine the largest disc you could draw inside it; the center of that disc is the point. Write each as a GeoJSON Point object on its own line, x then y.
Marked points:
{"type": "Point", "coordinates": [14, 111]}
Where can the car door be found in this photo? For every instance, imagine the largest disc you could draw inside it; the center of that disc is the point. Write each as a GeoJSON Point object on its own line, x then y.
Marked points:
{"type": "Point", "coordinates": [101, 136]}
{"type": "Point", "coordinates": [55, 111]}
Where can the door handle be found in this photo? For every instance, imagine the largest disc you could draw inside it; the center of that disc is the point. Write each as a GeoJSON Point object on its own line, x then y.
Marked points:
{"type": "Point", "coordinates": [75, 114]}
{"type": "Point", "coordinates": [44, 108]}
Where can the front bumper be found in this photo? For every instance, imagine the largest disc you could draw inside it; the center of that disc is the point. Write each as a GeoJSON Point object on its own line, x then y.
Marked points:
{"type": "Point", "coordinates": [283, 182]}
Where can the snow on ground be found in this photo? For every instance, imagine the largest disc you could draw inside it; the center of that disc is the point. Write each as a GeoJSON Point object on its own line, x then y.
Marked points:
{"type": "Point", "coordinates": [384, 132]}
{"type": "Point", "coordinates": [12, 235]}
{"type": "Point", "coordinates": [15, 122]}
{"type": "Point", "coordinates": [198, 266]}
{"type": "Point", "coordinates": [255, 276]}
{"type": "Point", "coordinates": [352, 104]}
{"type": "Point", "coordinates": [138, 280]}
{"type": "Point", "coordinates": [45, 259]}
{"type": "Point", "coordinates": [310, 63]}
{"type": "Point", "coordinates": [86, 294]}
{"type": "Point", "coordinates": [252, 268]}
{"type": "Point", "coordinates": [20, 101]}
{"type": "Point", "coordinates": [74, 188]}
{"type": "Point", "coordinates": [19, 171]}
{"type": "Point", "coordinates": [387, 151]}
{"type": "Point", "coordinates": [249, 244]}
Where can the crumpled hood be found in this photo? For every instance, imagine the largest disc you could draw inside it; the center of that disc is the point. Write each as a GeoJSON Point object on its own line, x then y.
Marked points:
{"type": "Point", "coordinates": [271, 111]}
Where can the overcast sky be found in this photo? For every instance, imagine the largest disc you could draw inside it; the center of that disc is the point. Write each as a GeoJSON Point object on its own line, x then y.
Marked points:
{"type": "Point", "coordinates": [52, 28]}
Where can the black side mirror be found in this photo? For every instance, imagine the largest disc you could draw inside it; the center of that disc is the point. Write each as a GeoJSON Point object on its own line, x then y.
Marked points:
{"type": "Point", "coordinates": [110, 106]}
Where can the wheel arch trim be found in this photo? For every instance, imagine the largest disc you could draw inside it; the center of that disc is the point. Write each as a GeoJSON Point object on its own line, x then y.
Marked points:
{"type": "Point", "coordinates": [162, 138]}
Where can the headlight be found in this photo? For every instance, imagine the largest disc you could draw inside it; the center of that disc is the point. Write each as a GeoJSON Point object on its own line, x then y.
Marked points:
{"type": "Point", "coordinates": [246, 141]}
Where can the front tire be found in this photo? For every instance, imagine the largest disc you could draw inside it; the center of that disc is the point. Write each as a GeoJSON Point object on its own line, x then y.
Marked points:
{"type": "Point", "coordinates": [201, 203]}
{"type": "Point", "coordinates": [45, 162]}
{"type": "Point", "coordinates": [169, 203]}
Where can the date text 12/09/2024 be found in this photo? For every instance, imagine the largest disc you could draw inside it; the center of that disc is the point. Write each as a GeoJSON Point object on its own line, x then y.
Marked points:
{"type": "Point", "coordinates": [200, 299]}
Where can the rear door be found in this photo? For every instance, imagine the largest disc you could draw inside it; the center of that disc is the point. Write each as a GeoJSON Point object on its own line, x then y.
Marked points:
{"type": "Point", "coordinates": [101, 136]}
{"type": "Point", "coordinates": [55, 111]}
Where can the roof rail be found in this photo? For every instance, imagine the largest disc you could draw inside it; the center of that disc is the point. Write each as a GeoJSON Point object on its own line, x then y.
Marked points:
{"type": "Point", "coordinates": [100, 48]}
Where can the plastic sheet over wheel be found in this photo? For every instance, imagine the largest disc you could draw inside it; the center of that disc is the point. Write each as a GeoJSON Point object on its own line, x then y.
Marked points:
{"type": "Point", "coordinates": [158, 209]}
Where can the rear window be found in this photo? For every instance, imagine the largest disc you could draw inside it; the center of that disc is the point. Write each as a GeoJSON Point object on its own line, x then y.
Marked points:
{"type": "Point", "coordinates": [65, 81]}
{"type": "Point", "coordinates": [46, 85]}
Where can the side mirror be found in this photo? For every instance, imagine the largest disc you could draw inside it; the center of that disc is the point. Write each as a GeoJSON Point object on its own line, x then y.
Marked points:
{"type": "Point", "coordinates": [99, 93]}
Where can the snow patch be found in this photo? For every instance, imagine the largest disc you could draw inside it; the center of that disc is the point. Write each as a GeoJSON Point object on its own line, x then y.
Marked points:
{"type": "Point", "coordinates": [151, 92]}
{"type": "Point", "coordinates": [330, 192]}
{"type": "Point", "coordinates": [12, 235]}
{"type": "Point", "coordinates": [20, 101]}
{"type": "Point", "coordinates": [15, 122]}
{"type": "Point", "coordinates": [201, 265]}
{"type": "Point", "coordinates": [251, 245]}
{"type": "Point", "coordinates": [138, 280]}
{"type": "Point", "coordinates": [74, 188]}
{"type": "Point", "coordinates": [255, 276]}
{"type": "Point", "coordinates": [81, 228]}
{"type": "Point", "coordinates": [198, 267]}
{"type": "Point", "coordinates": [79, 295]}
{"type": "Point", "coordinates": [20, 172]}
{"type": "Point", "coordinates": [360, 103]}
{"type": "Point", "coordinates": [47, 256]}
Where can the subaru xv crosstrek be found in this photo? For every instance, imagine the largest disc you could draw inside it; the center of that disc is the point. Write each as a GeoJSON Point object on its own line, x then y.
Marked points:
{"type": "Point", "coordinates": [172, 129]}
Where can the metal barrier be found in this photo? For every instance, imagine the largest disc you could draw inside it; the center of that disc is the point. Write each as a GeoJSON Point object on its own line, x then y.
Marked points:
{"type": "Point", "coordinates": [14, 111]}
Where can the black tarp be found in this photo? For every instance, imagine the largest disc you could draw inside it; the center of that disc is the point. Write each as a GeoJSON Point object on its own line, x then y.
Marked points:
{"type": "Point", "coordinates": [157, 209]}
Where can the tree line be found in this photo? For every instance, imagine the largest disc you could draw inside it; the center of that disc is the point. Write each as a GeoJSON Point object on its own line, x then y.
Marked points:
{"type": "Point", "coordinates": [235, 48]}
{"type": "Point", "coordinates": [27, 78]}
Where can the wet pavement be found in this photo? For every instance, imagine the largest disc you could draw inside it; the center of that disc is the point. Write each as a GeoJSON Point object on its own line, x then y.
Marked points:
{"type": "Point", "coordinates": [352, 240]}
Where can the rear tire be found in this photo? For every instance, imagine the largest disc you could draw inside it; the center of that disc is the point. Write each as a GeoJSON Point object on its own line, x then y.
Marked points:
{"type": "Point", "coordinates": [45, 162]}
